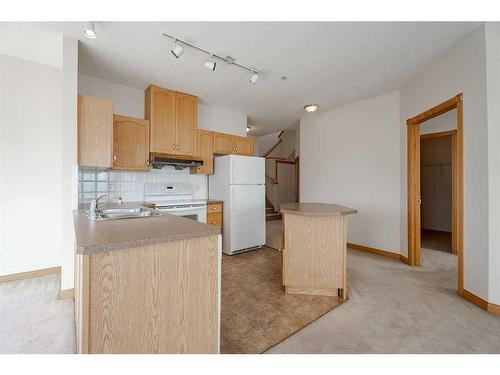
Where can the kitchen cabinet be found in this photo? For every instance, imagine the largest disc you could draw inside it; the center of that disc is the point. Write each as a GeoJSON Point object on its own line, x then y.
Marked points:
{"type": "Point", "coordinates": [225, 144]}
{"type": "Point", "coordinates": [173, 119]}
{"type": "Point", "coordinates": [130, 143]}
{"type": "Point", "coordinates": [95, 132]}
{"type": "Point", "coordinates": [243, 146]}
{"type": "Point", "coordinates": [205, 152]}
{"type": "Point", "coordinates": [214, 214]}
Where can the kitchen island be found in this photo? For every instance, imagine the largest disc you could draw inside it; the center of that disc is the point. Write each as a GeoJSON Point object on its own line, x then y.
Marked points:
{"type": "Point", "coordinates": [314, 248]}
{"type": "Point", "coordinates": [147, 285]}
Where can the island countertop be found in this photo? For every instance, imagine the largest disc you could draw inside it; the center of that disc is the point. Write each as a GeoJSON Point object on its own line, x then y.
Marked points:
{"type": "Point", "coordinates": [105, 235]}
{"type": "Point", "coordinates": [312, 209]}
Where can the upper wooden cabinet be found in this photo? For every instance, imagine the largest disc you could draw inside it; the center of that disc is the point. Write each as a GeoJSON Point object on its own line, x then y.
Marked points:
{"type": "Point", "coordinates": [232, 144]}
{"type": "Point", "coordinates": [130, 143]}
{"type": "Point", "coordinates": [243, 146]}
{"type": "Point", "coordinates": [206, 152]}
{"type": "Point", "coordinates": [173, 120]}
{"type": "Point", "coordinates": [95, 132]}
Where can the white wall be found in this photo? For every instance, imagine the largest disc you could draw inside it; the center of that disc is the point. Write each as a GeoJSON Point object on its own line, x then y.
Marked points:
{"type": "Point", "coordinates": [461, 69]}
{"type": "Point", "coordinates": [493, 90]}
{"type": "Point", "coordinates": [215, 119]}
{"type": "Point", "coordinates": [351, 156]}
{"type": "Point", "coordinates": [69, 165]}
{"type": "Point", "coordinates": [127, 101]}
{"type": "Point", "coordinates": [441, 123]}
{"type": "Point", "coordinates": [30, 165]}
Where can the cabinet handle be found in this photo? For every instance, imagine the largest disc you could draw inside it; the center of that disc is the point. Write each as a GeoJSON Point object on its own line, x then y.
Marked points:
{"type": "Point", "coordinates": [114, 157]}
{"type": "Point", "coordinates": [214, 208]}
{"type": "Point", "coordinates": [173, 146]}
{"type": "Point", "coordinates": [214, 222]}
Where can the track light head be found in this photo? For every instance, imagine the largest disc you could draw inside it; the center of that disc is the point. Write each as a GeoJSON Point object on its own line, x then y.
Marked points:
{"type": "Point", "coordinates": [254, 77]}
{"type": "Point", "coordinates": [177, 49]}
{"type": "Point", "coordinates": [210, 63]}
{"type": "Point", "coordinates": [89, 30]}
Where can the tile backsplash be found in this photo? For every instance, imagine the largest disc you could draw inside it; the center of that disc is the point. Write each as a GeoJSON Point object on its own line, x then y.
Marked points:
{"type": "Point", "coordinates": [130, 185]}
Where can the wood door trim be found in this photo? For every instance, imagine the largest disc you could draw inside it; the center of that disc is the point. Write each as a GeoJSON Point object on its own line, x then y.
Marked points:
{"type": "Point", "coordinates": [447, 133]}
{"type": "Point", "coordinates": [413, 183]}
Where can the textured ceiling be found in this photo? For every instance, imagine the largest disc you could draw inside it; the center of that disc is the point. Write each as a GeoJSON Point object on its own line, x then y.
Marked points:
{"type": "Point", "coordinates": [329, 63]}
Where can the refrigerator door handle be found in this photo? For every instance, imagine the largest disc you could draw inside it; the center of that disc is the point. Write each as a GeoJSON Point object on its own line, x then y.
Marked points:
{"type": "Point", "coordinates": [233, 205]}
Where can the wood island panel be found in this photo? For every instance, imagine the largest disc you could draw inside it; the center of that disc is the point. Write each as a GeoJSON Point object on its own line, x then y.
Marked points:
{"type": "Point", "coordinates": [314, 254]}
{"type": "Point", "coordinates": [158, 298]}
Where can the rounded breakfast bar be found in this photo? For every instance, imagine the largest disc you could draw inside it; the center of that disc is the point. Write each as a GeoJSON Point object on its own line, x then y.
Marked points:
{"type": "Point", "coordinates": [314, 248]}
{"type": "Point", "coordinates": [316, 209]}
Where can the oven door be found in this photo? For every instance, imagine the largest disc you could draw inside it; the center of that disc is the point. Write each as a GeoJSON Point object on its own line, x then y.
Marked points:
{"type": "Point", "coordinates": [198, 213]}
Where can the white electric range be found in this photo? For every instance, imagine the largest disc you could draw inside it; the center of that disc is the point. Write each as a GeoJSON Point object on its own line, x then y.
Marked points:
{"type": "Point", "coordinates": [176, 199]}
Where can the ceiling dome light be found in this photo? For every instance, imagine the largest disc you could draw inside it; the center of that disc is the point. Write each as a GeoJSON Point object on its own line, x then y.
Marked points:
{"type": "Point", "coordinates": [177, 49]}
{"type": "Point", "coordinates": [311, 107]}
{"type": "Point", "coordinates": [89, 30]}
{"type": "Point", "coordinates": [210, 63]}
{"type": "Point", "coordinates": [254, 77]}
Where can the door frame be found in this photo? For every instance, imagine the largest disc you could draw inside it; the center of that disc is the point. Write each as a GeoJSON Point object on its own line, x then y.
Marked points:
{"type": "Point", "coordinates": [413, 170]}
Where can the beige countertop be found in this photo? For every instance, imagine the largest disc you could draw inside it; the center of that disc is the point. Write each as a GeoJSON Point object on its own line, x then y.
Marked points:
{"type": "Point", "coordinates": [316, 209]}
{"type": "Point", "coordinates": [105, 235]}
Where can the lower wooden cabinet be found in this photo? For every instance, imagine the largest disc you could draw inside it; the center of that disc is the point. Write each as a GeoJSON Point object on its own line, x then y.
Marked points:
{"type": "Point", "coordinates": [214, 214]}
{"type": "Point", "coordinates": [130, 143]}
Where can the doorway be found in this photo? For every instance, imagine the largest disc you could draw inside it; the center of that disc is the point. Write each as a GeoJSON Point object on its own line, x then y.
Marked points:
{"type": "Point", "coordinates": [414, 182]}
{"type": "Point", "coordinates": [436, 182]}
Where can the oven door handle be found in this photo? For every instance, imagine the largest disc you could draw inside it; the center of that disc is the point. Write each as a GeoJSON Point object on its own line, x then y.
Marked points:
{"type": "Point", "coordinates": [167, 210]}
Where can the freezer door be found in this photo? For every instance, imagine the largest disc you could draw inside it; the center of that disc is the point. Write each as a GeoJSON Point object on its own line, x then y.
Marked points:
{"type": "Point", "coordinates": [248, 217]}
{"type": "Point", "coordinates": [247, 170]}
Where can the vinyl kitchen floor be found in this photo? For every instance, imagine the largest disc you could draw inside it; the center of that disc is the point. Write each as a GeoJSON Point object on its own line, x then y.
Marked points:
{"type": "Point", "coordinates": [256, 313]}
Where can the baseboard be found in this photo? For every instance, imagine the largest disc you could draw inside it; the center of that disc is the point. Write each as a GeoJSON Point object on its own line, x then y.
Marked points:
{"type": "Point", "coordinates": [66, 293]}
{"type": "Point", "coordinates": [373, 250]}
{"type": "Point", "coordinates": [478, 301]}
{"type": "Point", "coordinates": [404, 259]}
{"type": "Point", "coordinates": [30, 274]}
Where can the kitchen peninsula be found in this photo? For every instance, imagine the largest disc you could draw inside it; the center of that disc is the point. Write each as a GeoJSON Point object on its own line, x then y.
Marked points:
{"type": "Point", "coordinates": [314, 248]}
{"type": "Point", "coordinates": [147, 285]}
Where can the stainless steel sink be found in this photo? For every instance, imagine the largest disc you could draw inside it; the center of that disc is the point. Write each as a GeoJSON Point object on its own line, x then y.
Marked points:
{"type": "Point", "coordinates": [121, 213]}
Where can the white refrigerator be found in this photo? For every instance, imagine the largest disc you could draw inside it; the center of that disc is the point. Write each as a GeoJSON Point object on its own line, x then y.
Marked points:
{"type": "Point", "coordinates": [239, 181]}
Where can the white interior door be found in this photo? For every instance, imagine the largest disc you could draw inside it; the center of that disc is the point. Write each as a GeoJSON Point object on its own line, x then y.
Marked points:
{"type": "Point", "coordinates": [248, 216]}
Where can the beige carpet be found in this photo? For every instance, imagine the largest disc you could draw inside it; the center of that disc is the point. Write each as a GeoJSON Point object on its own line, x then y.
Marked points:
{"type": "Point", "coordinates": [256, 313]}
{"type": "Point", "coordinates": [33, 320]}
{"type": "Point", "coordinates": [394, 308]}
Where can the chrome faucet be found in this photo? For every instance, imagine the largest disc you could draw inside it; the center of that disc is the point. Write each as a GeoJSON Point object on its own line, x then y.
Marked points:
{"type": "Point", "coordinates": [95, 206]}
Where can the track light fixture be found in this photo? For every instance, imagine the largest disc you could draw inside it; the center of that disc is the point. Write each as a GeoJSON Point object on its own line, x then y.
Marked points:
{"type": "Point", "coordinates": [89, 30]}
{"type": "Point", "coordinates": [177, 49]}
{"type": "Point", "coordinates": [254, 77]}
{"type": "Point", "coordinates": [210, 63]}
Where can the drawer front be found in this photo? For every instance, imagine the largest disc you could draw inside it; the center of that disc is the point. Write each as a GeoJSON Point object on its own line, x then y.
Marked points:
{"type": "Point", "coordinates": [215, 219]}
{"type": "Point", "coordinates": [214, 208]}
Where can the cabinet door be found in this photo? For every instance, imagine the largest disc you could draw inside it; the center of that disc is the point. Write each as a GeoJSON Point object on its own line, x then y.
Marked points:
{"type": "Point", "coordinates": [243, 146]}
{"type": "Point", "coordinates": [206, 151]}
{"type": "Point", "coordinates": [223, 143]}
{"type": "Point", "coordinates": [160, 110]}
{"type": "Point", "coordinates": [130, 143]}
{"type": "Point", "coordinates": [186, 107]}
{"type": "Point", "coordinates": [95, 132]}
